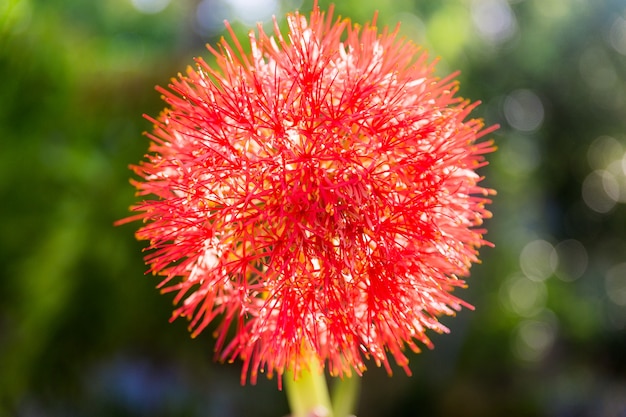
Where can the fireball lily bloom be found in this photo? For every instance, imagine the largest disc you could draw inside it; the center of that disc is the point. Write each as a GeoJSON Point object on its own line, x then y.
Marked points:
{"type": "Point", "coordinates": [318, 197]}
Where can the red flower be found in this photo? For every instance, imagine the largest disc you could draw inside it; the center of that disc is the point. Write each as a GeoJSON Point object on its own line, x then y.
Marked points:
{"type": "Point", "coordinates": [318, 196]}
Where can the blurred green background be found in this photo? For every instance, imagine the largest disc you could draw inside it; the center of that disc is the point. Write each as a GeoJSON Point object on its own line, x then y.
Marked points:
{"type": "Point", "coordinates": [84, 333]}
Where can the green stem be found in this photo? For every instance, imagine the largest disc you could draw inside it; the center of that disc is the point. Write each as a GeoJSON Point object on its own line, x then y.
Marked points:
{"type": "Point", "coordinates": [345, 393]}
{"type": "Point", "coordinates": [308, 392]}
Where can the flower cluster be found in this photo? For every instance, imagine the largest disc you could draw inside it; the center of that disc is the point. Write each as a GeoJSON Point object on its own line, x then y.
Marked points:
{"type": "Point", "coordinates": [317, 197]}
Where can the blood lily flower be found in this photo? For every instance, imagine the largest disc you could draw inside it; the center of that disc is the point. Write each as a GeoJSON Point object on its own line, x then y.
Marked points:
{"type": "Point", "coordinates": [317, 197]}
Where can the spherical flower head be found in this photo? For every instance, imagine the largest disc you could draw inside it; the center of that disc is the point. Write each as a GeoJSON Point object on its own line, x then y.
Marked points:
{"type": "Point", "coordinates": [317, 197]}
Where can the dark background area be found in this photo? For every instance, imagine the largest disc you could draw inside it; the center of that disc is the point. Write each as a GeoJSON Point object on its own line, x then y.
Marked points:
{"type": "Point", "coordinates": [84, 333]}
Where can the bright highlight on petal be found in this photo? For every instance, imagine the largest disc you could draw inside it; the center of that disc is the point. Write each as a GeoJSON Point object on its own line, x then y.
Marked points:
{"type": "Point", "coordinates": [316, 197]}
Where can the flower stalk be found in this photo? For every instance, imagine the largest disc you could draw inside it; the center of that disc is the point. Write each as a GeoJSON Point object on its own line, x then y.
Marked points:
{"type": "Point", "coordinates": [307, 392]}
{"type": "Point", "coordinates": [344, 396]}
